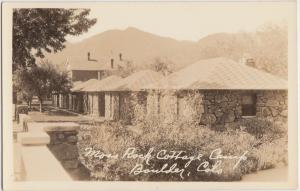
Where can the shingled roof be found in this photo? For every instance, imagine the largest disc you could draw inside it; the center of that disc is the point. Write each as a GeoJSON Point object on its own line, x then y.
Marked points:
{"type": "Point", "coordinates": [136, 81]}
{"type": "Point", "coordinates": [220, 73]}
{"type": "Point", "coordinates": [101, 85]}
{"type": "Point", "coordinates": [79, 86]}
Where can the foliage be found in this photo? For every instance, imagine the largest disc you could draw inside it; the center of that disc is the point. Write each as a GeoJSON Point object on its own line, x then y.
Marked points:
{"type": "Point", "coordinates": [24, 92]}
{"type": "Point", "coordinates": [268, 46]}
{"type": "Point", "coordinates": [262, 128]}
{"type": "Point", "coordinates": [125, 69]}
{"type": "Point", "coordinates": [37, 30]}
{"type": "Point", "coordinates": [272, 153]}
{"type": "Point", "coordinates": [41, 80]}
{"type": "Point", "coordinates": [115, 138]}
{"type": "Point", "coordinates": [271, 149]}
{"type": "Point", "coordinates": [163, 66]}
{"type": "Point", "coordinates": [192, 139]}
{"type": "Point", "coordinates": [271, 49]}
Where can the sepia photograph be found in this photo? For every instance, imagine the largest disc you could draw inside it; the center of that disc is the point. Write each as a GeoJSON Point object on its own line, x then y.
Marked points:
{"type": "Point", "coordinates": [140, 92]}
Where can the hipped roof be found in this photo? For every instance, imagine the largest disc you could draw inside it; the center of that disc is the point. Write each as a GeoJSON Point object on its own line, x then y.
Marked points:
{"type": "Point", "coordinates": [79, 86]}
{"type": "Point", "coordinates": [220, 73]}
{"type": "Point", "coordinates": [136, 81]}
{"type": "Point", "coordinates": [101, 85]}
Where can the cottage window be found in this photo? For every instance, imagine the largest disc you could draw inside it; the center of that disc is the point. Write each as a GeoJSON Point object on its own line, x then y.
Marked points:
{"type": "Point", "coordinates": [249, 105]}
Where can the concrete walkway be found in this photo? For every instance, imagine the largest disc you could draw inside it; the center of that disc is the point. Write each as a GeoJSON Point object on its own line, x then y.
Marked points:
{"type": "Point", "coordinates": [276, 174]}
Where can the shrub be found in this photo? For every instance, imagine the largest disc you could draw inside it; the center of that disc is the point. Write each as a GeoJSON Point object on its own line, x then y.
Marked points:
{"type": "Point", "coordinates": [272, 154]}
{"type": "Point", "coordinates": [272, 142]}
{"type": "Point", "coordinates": [115, 138]}
{"type": "Point", "coordinates": [263, 128]}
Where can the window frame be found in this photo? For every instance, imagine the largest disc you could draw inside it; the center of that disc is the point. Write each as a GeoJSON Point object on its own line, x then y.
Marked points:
{"type": "Point", "coordinates": [246, 114]}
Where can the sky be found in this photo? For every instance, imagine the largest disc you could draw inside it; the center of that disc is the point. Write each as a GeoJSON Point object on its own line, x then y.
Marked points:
{"type": "Point", "coordinates": [186, 21]}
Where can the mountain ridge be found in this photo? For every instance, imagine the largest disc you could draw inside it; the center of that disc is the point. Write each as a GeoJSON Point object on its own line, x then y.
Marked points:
{"type": "Point", "coordinates": [145, 48]}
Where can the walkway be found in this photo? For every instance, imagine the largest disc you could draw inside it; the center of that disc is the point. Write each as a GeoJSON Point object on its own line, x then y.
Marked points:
{"type": "Point", "coordinates": [276, 174]}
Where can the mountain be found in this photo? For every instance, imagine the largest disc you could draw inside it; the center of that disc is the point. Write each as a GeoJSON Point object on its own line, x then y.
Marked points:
{"type": "Point", "coordinates": [140, 47]}
{"type": "Point", "coordinates": [143, 48]}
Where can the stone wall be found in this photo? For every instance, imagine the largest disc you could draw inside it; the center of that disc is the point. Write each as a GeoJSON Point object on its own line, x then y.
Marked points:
{"type": "Point", "coordinates": [170, 106]}
{"type": "Point", "coordinates": [224, 108]}
{"type": "Point", "coordinates": [273, 105]}
{"type": "Point", "coordinates": [95, 110]}
{"type": "Point", "coordinates": [153, 105]}
{"type": "Point", "coordinates": [132, 107]}
{"type": "Point", "coordinates": [63, 146]}
{"type": "Point", "coordinates": [190, 106]}
{"type": "Point", "coordinates": [215, 108]}
{"type": "Point", "coordinates": [111, 105]}
{"type": "Point", "coordinates": [221, 108]}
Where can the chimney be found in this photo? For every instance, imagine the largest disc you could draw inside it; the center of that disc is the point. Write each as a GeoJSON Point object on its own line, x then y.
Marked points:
{"type": "Point", "coordinates": [89, 56]}
{"type": "Point", "coordinates": [112, 63]}
{"type": "Point", "coordinates": [120, 56]}
{"type": "Point", "coordinates": [250, 62]}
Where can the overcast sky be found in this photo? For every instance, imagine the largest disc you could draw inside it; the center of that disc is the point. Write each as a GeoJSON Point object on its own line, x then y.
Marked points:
{"type": "Point", "coordinates": [186, 21]}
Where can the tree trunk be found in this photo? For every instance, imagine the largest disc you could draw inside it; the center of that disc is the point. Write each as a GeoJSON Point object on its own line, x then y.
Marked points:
{"type": "Point", "coordinates": [41, 105]}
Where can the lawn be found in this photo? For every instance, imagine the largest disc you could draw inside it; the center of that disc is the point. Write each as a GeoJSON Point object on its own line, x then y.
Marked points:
{"type": "Point", "coordinates": [51, 114]}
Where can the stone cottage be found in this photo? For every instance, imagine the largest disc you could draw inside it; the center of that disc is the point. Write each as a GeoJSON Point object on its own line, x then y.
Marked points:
{"type": "Point", "coordinates": [218, 92]}
{"type": "Point", "coordinates": [125, 100]}
{"type": "Point", "coordinates": [96, 97]}
{"type": "Point", "coordinates": [78, 100]}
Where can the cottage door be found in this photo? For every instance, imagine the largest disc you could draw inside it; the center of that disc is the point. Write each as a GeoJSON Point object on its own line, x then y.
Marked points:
{"type": "Point", "coordinates": [101, 103]}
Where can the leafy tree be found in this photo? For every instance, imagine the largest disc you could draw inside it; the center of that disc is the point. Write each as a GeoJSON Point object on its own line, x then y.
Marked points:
{"type": "Point", "coordinates": [271, 49]}
{"type": "Point", "coordinates": [41, 80]}
{"type": "Point", "coordinates": [126, 69]}
{"type": "Point", "coordinates": [24, 92]}
{"type": "Point", "coordinates": [162, 65]}
{"type": "Point", "coordinates": [38, 30]}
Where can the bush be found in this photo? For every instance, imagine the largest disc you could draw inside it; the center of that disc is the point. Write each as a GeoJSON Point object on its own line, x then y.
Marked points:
{"type": "Point", "coordinates": [262, 128]}
{"type": "Point", "coordinates": [272, 154]}
{"type": "Point", "coordinates": [115, 138]}
{"type": "Point", "coordinates": [271, 149]}
{"type": "Point", "coordinates": [267, 150]}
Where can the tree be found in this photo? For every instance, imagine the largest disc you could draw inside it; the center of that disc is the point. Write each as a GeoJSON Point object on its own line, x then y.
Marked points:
{"type": "Point", "coordinates": [271, 49]}
{"type": "Point", "coordinates": [163, 66]}
{"type": "Point", "coordinates": [42, 80]}
{"type": "Point", "coordinates": [24, 92]}
{"type": "Point", "coordinates": [38, 30]}
{"type": "Point", "coordinates": [126, 69]}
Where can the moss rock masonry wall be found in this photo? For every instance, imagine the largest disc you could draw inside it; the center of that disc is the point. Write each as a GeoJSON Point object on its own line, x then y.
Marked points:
{"type": "Point", "coordinates": [63, 146]}
{"type": "Point", "coordinates": [273, 105]}
{"type": "Point", "coordinates": [132, 107]}
{"type": "Point", "coordinates": [111, 105]}
{"type": "Point", "coordinates": [215, 108]}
